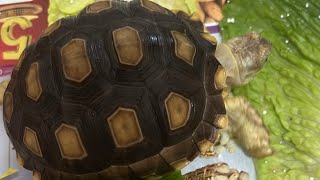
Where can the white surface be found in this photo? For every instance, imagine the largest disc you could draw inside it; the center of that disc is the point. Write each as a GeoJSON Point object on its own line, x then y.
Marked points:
{"type": "Point", "coordinates": [4, 142]}
{"type": "Point", "coordinates": [4, 150]}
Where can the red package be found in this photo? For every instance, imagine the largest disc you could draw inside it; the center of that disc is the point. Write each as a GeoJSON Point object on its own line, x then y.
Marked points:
{"type": "Point", "coordinates": [21, 23]}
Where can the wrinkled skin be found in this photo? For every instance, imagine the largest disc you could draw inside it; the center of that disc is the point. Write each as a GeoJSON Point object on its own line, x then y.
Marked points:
{"type": "Point", "coordinates": [243, 57]}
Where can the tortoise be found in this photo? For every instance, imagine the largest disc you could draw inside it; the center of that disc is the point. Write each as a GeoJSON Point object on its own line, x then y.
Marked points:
{"type": "Point", "coordinates": [123, 89]}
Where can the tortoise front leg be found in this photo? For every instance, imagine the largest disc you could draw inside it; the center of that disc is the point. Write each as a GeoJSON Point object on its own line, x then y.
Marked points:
{"type": "Point", "coordinates": [247, 126]}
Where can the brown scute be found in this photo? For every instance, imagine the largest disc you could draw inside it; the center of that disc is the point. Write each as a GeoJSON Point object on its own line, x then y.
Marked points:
{"type": "Point", "coordinates": [99, 6]}
{"type": "Point", "coordinates": [70, 143]}
{"type": "Point", "coordinates": [179, 164]}
{"type": "Point", "coordinates": [184, 48]}
{"type": "Point", "coordinates": [51, 28]}
{"type": "Point", "coordinates": [220, 78]}
{"type": "Point", "coordinates": [30, 139]}
{"type": "Point", "coordinates": [205, 136]}
{"type": "Point", "coordinates": [221, 121]}
{"type": "Point", "coordinates": [152, 6]}
{"type": "Point", "coordinates": [204, 145]}
{"type": "Point", "coordinates": [67, 176]}
{"type": "Point", "coordinates": [180, 154]}
{"type": "Point", "coordinates": [125, 128]}
{"type": "Point", "coordinates": [19, 159]}
{"type": "Point", "coordinates": [75, 61]}
{"type": "Point", "coordinates": [36, 175]}
{"type": "Point", "coordinates": [178, 110]}
{"type": "Point", "coordinates": [116, 172]}
{"type": "Point", "coordinates": [152, 177]}
{"type": "Point", "coordinates": [89, 176]}
{"type": "Point", "coordinates": [8, 106]}
{"type": "Point", "coordinates": [128, 45]}
{"type": "Point", "coordinates": [209, 38]}
{"type": "Point", "coordinates": [33, 84]}
{"type": "Point", "coordinates": [150, 167]}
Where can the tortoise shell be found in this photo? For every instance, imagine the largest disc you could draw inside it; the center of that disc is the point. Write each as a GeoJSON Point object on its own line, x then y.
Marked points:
{"type": "Point", "coordinates": [123, 89]}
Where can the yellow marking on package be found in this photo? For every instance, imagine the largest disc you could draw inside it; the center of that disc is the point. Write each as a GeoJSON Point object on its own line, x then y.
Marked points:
{"type": "Point", "coordinates": [8, 38]}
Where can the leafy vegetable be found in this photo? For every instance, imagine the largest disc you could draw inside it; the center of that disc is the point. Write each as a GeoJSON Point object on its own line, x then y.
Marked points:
{"type": "Point", "coordinates": [173, 176]}
{"type": "Point", "coordinates": [287, 91]}
{"type": "Point", "coordinates": [179, 5]}
{"type": "Point", "coordinates": [62, 8]}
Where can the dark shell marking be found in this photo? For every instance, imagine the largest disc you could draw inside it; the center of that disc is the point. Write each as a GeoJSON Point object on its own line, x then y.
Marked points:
{"type": "Point", "coordinates": [121, 89]}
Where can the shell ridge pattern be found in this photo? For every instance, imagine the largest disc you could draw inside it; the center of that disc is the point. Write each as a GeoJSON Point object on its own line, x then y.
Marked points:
{"type": "Point", "coordinates": [161, 44]}
{"type": "Point", "coordinates": [164, 53]}
{"type": "Point", "coordinates": [122, 6]}
{"type": "Point", "coordinates": [102, 116]}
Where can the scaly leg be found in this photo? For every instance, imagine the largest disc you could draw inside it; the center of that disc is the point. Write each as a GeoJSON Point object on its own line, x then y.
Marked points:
{"type": "Point", "coordinates": [247, 126]}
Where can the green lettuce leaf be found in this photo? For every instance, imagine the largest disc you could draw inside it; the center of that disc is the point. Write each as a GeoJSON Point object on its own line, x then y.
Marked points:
{"type": "Point", "coordinates": [62, 8]}
{"type": "Point", "coordinates": [188, 6]}
{"type": "Point", "coordinates": [173, 176]}
{"type": "Point", "coordinates": [287, 91]}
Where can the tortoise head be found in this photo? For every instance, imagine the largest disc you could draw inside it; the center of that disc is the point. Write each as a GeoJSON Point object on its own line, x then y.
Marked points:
{"type": "Point", "coordinates": [243, 57]}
